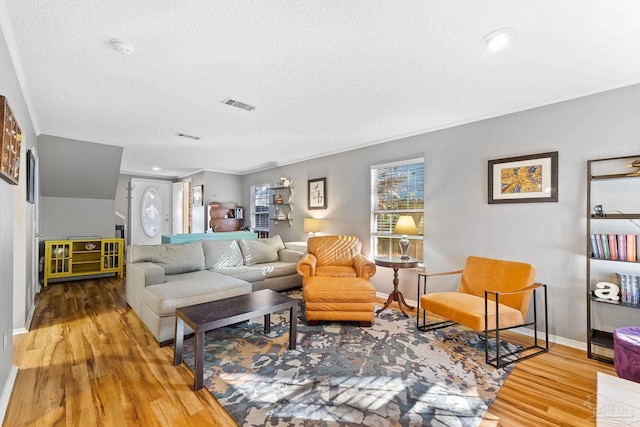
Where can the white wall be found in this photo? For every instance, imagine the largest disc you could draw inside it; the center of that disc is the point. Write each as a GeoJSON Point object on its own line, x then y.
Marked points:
{"type": "Point", "coordinates": [458, 220]}
{"type": "Point", "coordinates": [16, 237]}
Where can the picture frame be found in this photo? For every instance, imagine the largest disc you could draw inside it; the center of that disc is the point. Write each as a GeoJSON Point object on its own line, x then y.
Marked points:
{"type": "Point", "coordinates": [317, 193]}
{"type": "Point", "coordinates": [31, 177]}
{"type": "Point", "coordinates": [524, 179]}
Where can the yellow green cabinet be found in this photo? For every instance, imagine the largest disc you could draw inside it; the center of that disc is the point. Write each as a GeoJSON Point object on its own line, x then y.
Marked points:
{"type": "Point", "coordinates": [84, 257]}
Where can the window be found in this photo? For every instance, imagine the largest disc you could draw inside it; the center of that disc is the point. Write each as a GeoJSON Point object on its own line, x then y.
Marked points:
{"type": "Point", "coordinates": [260, 210]}
{"type": "Point", "coordinates": [396, 189]}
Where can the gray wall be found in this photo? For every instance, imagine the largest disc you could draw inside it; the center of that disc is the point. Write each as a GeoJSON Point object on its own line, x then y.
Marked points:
{"type": "Point", "coordinates": [63, 217]}
{"type": "Point", "coordinates": [458, 220]}
{"type": "Point", "coordinates": [78, 169]}
{"type": "Point", "coordinates": [16, 218]}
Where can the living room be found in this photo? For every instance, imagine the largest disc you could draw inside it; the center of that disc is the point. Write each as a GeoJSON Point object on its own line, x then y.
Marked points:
{"type": "Point", "coordinates": [583, 123]}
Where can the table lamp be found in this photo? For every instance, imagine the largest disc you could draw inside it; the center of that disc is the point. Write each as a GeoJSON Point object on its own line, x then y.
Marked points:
{"type": "Point", "coordinates": [311, 225]}
{"type": "Point", "coordinates": [405, 225]}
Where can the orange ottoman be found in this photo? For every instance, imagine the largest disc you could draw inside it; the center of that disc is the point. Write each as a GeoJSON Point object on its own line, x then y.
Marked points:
{"type": "Point", "coordinates": [339, 298]}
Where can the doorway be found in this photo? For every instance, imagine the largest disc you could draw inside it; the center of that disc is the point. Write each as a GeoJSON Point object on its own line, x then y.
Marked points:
{"type": "Point", "coordinates": [149, 211]}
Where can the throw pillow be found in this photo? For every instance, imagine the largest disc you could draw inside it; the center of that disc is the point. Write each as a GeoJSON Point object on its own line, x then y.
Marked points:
{"type": "Point", "coordinates": [261, 250]}
{"type": "Point", "coordinates": [175, 259]}
{"type": "Point", "coordinates": [221, 253]}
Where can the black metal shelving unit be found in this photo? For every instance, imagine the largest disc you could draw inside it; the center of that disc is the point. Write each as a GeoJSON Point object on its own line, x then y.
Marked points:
{"type": "Point", "coordinates": [600, 342]}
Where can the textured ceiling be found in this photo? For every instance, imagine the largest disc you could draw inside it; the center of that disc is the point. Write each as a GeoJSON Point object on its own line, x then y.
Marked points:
{"type": "Point", "coordinates": [324, 76]}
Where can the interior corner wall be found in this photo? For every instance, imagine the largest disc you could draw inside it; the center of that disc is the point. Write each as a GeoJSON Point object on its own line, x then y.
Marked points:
{"type": "Point", "coordinates": [458, 220]}
{"type": "Point", "coordinates": [221, 187]}
{"type": "Point", "coordinates": [62, 217]}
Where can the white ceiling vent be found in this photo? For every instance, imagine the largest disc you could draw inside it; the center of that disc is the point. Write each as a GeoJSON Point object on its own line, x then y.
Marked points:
{"type": "Point", "coordinates": [238, 104]}
{"type": "Point", "coordinates": [184, 135]}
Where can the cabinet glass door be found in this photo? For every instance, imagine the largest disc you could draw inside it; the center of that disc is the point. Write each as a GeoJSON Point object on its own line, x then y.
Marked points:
{"type": "Point", "coordinates": [59, 263]}
{"type": "Point", "coordinates": [111, 254]}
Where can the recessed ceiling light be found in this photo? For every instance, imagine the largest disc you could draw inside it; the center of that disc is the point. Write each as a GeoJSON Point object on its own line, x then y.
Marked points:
{"type": "Point", "coordinates": [155, 168]}
{"type": "Point", "coordinates": [498, 39]}
{"type": "Point", "coordinates": [122, 46]}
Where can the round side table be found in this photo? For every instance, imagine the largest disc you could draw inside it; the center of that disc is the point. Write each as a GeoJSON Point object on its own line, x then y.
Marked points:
{"type": "Point", "coordinates": [396, 263]}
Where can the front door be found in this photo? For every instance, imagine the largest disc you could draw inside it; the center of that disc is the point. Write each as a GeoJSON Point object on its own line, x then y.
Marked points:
{"type": "Point", "coordinates": [149, 211]}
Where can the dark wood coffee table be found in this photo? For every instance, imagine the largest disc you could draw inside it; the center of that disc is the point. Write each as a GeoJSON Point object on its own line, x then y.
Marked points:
{"type": "Point", "coordinates": [216, 314]}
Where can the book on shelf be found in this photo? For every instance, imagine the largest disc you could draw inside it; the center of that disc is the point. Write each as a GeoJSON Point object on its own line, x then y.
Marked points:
{"type": "Point", "coordinates": [605, 246]}
{"type": "Point", "coordinates": [631, 247]}
{"type": "Point", "coordinates": [594, 247]}
{"type": "Point", "coordinates": [613, 247]}
{"type": "Point", "coordinates": [629, 288]}
{"type": "Point", "coordinates": [622, 245]}
{"type": "Point", "coordinates": [617, 247]}
{"type": "Point", "coordinates": [600, 248]}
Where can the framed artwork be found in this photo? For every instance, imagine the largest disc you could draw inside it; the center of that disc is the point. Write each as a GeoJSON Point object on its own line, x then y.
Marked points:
{"type": "Point", "coordinates": [31, 177]}
{"type": "Point", "coordinates": [524, 179]}
{"type": "Point", "coordinates": [317, 193]}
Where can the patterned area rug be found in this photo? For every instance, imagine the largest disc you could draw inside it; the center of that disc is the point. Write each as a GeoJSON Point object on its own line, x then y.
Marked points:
{"type": "Point", "coordinates": [344, 375]}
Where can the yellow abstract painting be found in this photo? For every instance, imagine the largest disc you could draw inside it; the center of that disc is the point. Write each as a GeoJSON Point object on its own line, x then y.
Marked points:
{"type": "Point", "coordinates": [525, 179]}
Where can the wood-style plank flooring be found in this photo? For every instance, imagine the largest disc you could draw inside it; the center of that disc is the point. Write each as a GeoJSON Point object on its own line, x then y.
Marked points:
{"type": "Point", "coordinates": [89, 361]}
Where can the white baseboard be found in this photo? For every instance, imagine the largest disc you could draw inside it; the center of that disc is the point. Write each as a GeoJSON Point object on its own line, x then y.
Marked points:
{"type": "Point", "coordinates": [6, 391]}
{"type": "Point", "coordinates": [524, 331]}
{"type": "Point", "coordinates": [19, 331]}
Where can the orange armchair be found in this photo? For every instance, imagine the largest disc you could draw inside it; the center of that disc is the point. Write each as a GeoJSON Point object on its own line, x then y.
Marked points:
{"type": "Point", "coordinates": [493, 296]}
{"type": "Point", "coordinates": [335, 281]}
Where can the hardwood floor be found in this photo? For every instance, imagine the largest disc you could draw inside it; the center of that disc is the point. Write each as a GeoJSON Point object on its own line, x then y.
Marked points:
{"type": "Point", "coordinates": [89, 361]}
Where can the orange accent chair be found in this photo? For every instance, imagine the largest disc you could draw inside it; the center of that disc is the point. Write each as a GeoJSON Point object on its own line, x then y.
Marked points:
{"type": "Point", "coordinates": [493, 296]}
{"type": "Point", "coordinates": [335, 281]}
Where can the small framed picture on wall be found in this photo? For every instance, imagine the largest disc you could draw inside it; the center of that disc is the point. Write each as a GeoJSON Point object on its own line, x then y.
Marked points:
{"type": "Point", "coordinates": [317, 193]}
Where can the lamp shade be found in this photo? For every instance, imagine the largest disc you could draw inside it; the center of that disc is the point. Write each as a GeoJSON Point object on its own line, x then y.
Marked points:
{"type": "Point", "coordinates": [405, 225]}
{"type": "Point", "coordinates": [311, 225]}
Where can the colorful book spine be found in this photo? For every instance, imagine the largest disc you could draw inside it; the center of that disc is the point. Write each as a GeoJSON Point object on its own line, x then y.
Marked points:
{"type": "Point", "coordinates": [613, 247]}
{"type": "Point", "coordinates": [600, 248]}
{"type": "Point", "coordinates": [594, 247]}
{"type": "Point", "coordinates": [622, 246]}
{"type": "Point", "coordinates": [605, 246]}
{"type": "Point", "coordinates": [629, 288]}
{"type": "Point", "coordinates": [631, 247]}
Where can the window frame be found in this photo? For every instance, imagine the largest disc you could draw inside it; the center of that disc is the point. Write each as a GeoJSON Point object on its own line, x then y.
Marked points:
{"type": "Point", "coordinates": [262, 201]}
{"type": "Point", "coordinates": [376, 235]}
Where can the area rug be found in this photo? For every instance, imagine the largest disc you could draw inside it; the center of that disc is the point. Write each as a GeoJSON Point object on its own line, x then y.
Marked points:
{"type": "Point", "coordinates": [345, 375]}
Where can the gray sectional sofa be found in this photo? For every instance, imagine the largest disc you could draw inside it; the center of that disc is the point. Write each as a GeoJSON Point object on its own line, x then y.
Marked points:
{"type": "Point", "coordinates": [161, 278]}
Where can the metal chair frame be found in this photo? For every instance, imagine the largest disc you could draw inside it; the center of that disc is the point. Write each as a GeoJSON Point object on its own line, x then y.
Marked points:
{"type": "Point", "coordinates": [499, 360]}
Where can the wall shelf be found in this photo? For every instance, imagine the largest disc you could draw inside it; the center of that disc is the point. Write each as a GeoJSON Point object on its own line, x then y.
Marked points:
{"type": "Point", "coordinates": [282, 204]}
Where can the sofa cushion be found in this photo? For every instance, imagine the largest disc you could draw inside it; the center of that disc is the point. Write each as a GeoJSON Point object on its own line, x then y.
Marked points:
{"type": "Point", "coordinates": [174, 259]}
{"type": "Point", "coordinates": [261, 250]}
{"type": "Point", "coordinates": [278, 269]}
{"type": "Point", "coordinates": [221, 253]}
{"type": "Point", "coordinates": [189, 289]}
{"type": "Point", "coordinates": [248, 273]}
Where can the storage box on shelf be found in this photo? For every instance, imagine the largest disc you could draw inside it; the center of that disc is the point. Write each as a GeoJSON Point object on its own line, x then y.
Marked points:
{"type": "Point", "coordinates": [82, 257]}
{"type": "Point", "coordinates": [613, 265]}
